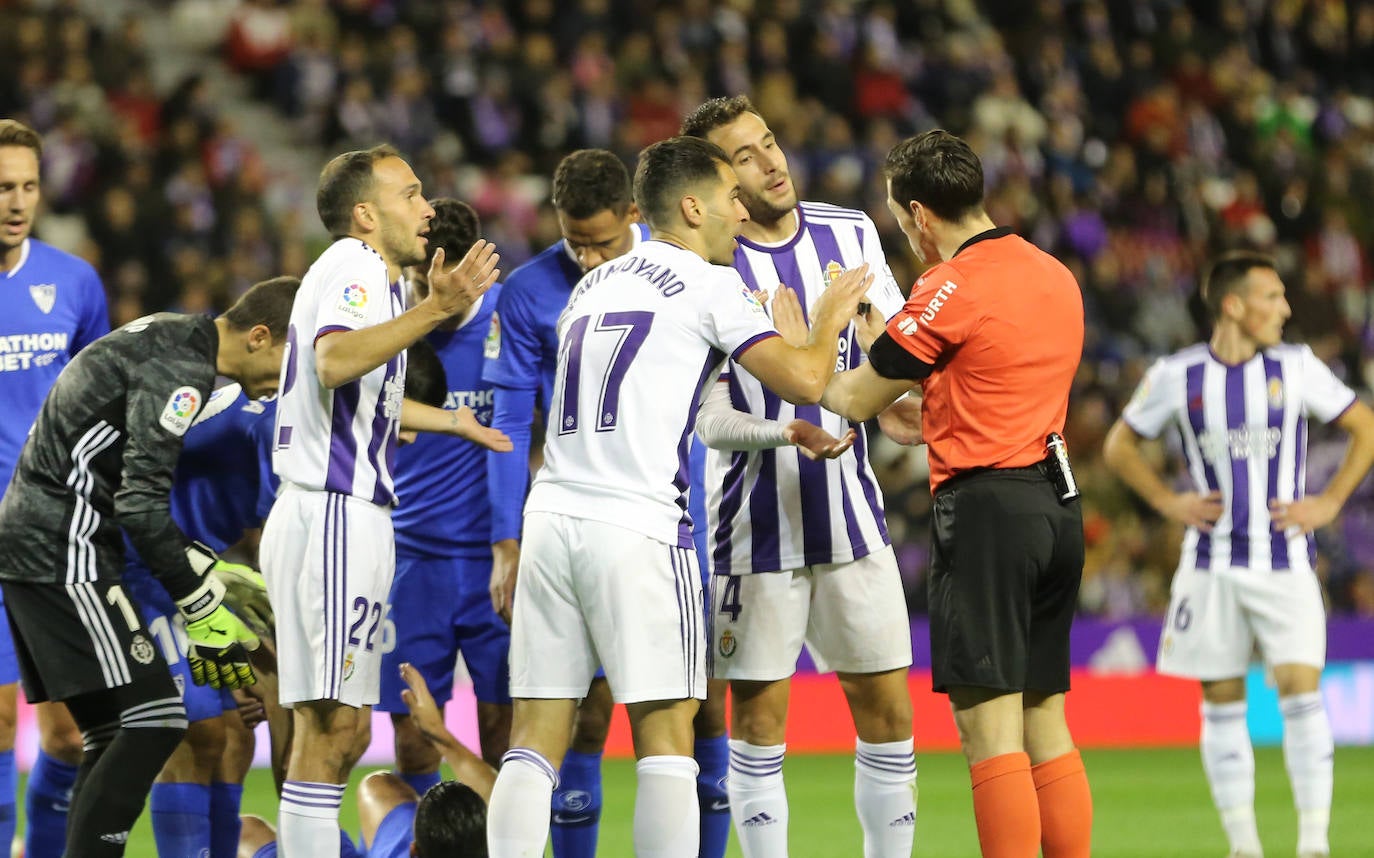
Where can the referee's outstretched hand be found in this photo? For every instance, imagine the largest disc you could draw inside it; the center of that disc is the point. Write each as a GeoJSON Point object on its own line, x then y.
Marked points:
{"type": "Point", "coordinates": [217, 650]}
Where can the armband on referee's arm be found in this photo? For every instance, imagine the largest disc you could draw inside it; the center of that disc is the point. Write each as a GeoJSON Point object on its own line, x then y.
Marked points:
{"type": "Point", "coordinates": [892, 361]}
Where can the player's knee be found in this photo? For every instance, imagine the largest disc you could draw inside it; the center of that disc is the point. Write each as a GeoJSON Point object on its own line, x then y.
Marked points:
{"type": "Point", "coordinates": [384, 788]}
{"type": "Point", "coordinates": [592, 726]}
{"type": "Point", "coordinates": [9, 706]}
{"type": "Point", "coordinates": [206, 740]}
{"type": "Point", "coordinates": [360, 739]}
{"type": "Point", "coordinates": [61, 741]}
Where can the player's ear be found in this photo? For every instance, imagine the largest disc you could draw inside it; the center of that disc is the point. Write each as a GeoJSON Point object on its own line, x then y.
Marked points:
{"type": "Point", "coordinates": [259, 337]}
{"type": "Point", "coordinates": [632, 213]}
{"type": "Point", "coordinates": [692, 211]}
{"type": "Point", "coordinates": [364, 217]}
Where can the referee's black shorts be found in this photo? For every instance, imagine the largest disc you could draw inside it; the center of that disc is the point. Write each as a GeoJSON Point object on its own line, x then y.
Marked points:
{"type": "Point", "coordinates": [72, 639]}
{"type": "Point", "coordinates": [1005, 567]}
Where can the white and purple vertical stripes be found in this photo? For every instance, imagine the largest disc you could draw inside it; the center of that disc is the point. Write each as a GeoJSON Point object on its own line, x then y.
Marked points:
{"type": "Point", "coordinates": [312, 799]}
{"type": "Point", "coordinates": [687, 580]}
{"type": "Point", "coordinates": [532, 758]}
{"type": "Point", "coordinates": [335, 591]}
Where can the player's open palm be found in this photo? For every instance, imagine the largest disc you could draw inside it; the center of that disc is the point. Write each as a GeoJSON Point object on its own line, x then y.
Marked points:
{"type": "Point", "coordinates": [466, 425]}
{"type": "Point", "coordinates": [816, 443]}
{"type": "Point", "coordinates": [1194, 509]}
{"type": "Point", "coordinates": [839, 302]}
{"type": "Point", "coordinates": [455, 289]}
{"type": "Point", "coordinates": [788, 317]}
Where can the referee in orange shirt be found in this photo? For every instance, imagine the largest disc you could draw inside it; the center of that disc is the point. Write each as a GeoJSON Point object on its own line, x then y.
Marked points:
{"type": "Point", "coordinates": [993, 333]}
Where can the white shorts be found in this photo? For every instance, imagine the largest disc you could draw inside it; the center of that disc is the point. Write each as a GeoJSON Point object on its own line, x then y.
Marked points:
{"type": "Point", "coordinates": [590, 593]}
{"type": "Point", "coordinates": [1216, 619]}
{"type": "Point", "coordinates": [328, 560]}
{"type": "Point", "coordinates": [851, 616]}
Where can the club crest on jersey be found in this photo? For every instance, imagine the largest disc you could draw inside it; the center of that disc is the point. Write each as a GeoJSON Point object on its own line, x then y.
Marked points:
{"type": "Point", "coordinates": [141, 650]}
{"type": "Point", "coordinates": [44, 295]}
{"type": "Point", "coordinates": [353, 300]}
{"type": "Point", "coordinates": [491, 349]}
{"type": "Point", "coordinates": [180, 410]}
{"type": "Point", "coordinates": [727, 644]}
{"type": "Point", "coordinates": [1275, 393]}
{"type": "Point", "coordinates": [833, 270]}
{"type": "Point", "coordinates": [349, 665]}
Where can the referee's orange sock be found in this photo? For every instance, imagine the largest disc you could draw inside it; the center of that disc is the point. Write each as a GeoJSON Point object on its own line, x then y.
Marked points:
{"type": "Point", "coordinates": [1066, 806]}
{"type": "Point", "coordinates": [1005, 807]}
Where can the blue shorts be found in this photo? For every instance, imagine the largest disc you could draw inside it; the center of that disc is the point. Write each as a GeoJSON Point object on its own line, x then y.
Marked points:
{"type": "Point", "coordinates": [346, 847]}
{"type": "Point", "coordinates": [9, 665]}
{"type": "Point", "coordinates": [395, 833]}
{"type": "Point", "coordinates": [162, 618]}
{"type": "Point", "coordinates": [440, 606]}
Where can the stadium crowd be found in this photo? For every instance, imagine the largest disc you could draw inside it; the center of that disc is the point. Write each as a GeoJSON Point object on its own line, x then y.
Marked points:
{"type": "Point", "coordinates": [1129, 137]}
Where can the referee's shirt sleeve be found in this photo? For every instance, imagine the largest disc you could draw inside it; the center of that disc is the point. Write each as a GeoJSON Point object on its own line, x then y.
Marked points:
{"type": "Point", "coordinates": [164, 399]}
{"type": "Point", "coordinates": [937, 317]}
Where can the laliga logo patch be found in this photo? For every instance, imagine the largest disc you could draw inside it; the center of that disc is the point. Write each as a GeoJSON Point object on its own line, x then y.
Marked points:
{"type": "Point", "coordinates": [749, 297]}
{"type": "Point", "coordinates": [141, 650]}
{"type": "Point", "coordinates": [44, 295]}
{"type": "Point", "coordinates": [491, 349]}
{"type": "Point", "coordinates": [353, 300]}
{"type": "Point", "coordinates": [180, 410]}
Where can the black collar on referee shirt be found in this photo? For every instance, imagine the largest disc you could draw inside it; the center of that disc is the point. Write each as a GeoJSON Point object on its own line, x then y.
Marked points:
{"type": "Point", "coordinates": [995, 232]}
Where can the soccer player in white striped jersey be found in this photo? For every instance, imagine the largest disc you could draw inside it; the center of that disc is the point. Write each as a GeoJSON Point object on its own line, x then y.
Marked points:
{"type": "Point", "coordinates": [1245, 577]}
{"type": "Point", "coordinates": [327, 548]}
{"type": "Point", "coordinates": [608, 573]}
{"type": "Point", "coordinates": [799, 546]}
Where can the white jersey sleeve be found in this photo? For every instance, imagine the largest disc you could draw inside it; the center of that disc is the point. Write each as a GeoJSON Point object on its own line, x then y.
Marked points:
{"type": "Point", "coordinates": [885, 295]}
{"type": "Point", "coordinates": [1324, 396]}
{"type": "Point", "coordinates": [733, 319]}
{"type": "Point", "coordinates": [1156, 401]}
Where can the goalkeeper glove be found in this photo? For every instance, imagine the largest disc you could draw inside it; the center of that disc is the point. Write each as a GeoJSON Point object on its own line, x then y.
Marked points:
{"type": "Point", "coordinates": [246, 595]}
{"type": "Point", "coordinates": [217, 641]}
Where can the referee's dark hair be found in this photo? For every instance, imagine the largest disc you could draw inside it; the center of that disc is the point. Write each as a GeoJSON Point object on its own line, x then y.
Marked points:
{"type": "Point", "coordinates": [344, 182]}
{"type": "Point", "coordinates": [589, 181]}
{"type": "Point", "coordinates": [266, 303]}
{"type": "Point", "coordinates": [1226, 275]}
{"type": "Point", "coordinates": [15, 133]}
{"type": "Point", "coordinates": [667, 169]}
{"type": "Point", "coordinates": [939, 171]}
{"type": "Point", "coordinates": [455, 227]}
{"type": "Point", "coordinates": [712, 114]}
{"type": "Point", "coordinates": [450, 820]}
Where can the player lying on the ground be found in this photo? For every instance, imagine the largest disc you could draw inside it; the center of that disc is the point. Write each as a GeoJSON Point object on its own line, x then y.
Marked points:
{"type": "Point", "coordinates": [448, 820]}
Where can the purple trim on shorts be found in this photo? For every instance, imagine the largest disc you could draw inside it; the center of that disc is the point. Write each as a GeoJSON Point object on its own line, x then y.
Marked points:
{"type": "Point", "coordinates": [1278, 539]}
{"type": "Point", "coordinates": [1193, 401]}
{"type": "Point", "coordinates": [343, 443]}
{"type": "Point", "coordinates": [1240, 469]}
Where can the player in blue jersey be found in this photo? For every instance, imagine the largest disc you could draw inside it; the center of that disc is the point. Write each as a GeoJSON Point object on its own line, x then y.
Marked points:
{"type": "Point", "coordinates": [54, 306]}
{"type": "Point", "coordinates": [1245, 577]}
{"type": "Point", "coordinates": [440, 604]}
{"type": "Point", "coordinates": [223, 487]}
{"type": "Point", "coordinates": [799, 550]}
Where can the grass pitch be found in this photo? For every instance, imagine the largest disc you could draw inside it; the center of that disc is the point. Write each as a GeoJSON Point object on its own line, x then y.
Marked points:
{"type": "Point", "coordinates": [1148, 804]}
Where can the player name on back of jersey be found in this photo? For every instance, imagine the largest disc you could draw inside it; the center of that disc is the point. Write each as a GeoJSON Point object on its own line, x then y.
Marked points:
{"type": "Point", "coordinates": [658, 275]}
{"type": "Point", "coordinates": [24, 351]}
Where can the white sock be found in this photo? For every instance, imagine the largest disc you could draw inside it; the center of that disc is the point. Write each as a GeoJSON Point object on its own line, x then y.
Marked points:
{"type": "Point", "coordinates": [308, 818]}
{"type": "Point", "coordinates": [518, 812]}
{"type": "Point", "coordinates": [1229, 761]}
{"type": "Point", "coordinates": [885, 796]}
{"type": "Point", "coordinates": [667, 816]}
{"type": "Point", "coordinates": [758, 799]}
{"type": "Point", "coordinates": [1307, 751]}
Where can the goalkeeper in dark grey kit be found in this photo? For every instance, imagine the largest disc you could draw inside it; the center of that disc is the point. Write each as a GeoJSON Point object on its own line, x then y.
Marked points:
{"type": "Point", "coordinates": [97, 466]}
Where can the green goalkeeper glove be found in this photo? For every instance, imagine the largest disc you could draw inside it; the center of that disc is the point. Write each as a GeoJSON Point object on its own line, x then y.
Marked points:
{"type": "Point", "coordinates": [218, 642]}
{"type": "Point", "coordinates": [246, 595]}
